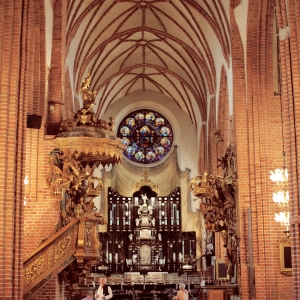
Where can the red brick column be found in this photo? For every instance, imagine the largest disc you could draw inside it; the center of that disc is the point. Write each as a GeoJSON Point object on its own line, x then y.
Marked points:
{"type": "Point", "coordinates": [12, 141]}
{"type": "Point", "coordinates": [57, 69]}
{"type": "Point", "coordinates": [240, 116]}
{"type": "Point", "coordinates": [202, 160]}
{"type": "Point", "coordinates": [258, 123]}
{"type": "Point", "coordinates": [290, 67]}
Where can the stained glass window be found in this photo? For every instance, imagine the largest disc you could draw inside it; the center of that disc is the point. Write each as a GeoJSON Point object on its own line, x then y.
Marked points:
{"type": "Point", "coordinates": [147, 134]}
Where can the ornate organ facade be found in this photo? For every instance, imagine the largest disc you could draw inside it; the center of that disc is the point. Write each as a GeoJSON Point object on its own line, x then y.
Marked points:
{"type": "Point", "coordinates": [144, 234]}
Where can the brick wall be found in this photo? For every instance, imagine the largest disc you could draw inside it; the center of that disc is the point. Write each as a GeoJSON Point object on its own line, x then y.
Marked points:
{"type": "Point", "coordinates": [53, 290]}
{"type": "Point", "coordinates": [258, 135]}
{"type": "Point", "coordinates": [12, 141]}
{"type": "Point", "coordinates": [40, 212]}
{"type": "Point", "coordinates": [259, 150]}
{"type": "Point", "coordinates": [289, 62]}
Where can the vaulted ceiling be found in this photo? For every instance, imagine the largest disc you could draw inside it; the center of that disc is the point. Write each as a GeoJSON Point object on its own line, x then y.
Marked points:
{"type": "Point", "coordinates": [174, 47]}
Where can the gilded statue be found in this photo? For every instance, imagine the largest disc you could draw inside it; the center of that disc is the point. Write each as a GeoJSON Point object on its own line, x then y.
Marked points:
{"type": "Point", "coordinates": [217, 205]}
{"type": "Point", "coordinates": [86, 115]}
{"type": "Point", "coordinates": [88, 96]}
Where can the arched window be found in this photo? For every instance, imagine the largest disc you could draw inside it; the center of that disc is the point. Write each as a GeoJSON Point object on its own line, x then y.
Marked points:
{"type": "Point", "coordinates": [147, 134]}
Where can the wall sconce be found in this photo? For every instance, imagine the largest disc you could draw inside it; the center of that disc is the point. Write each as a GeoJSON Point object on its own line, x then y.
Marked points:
{"type": "Point", "coordinates": [51, 108]}
{"type": "Point", "coordinates": [26, 181]}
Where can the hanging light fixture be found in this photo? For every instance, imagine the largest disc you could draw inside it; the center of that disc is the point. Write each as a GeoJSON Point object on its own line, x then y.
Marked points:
{"type": "Point", "coordinates": [280, 177]}
{"type": "Point", "coordinates": [283, 218]}
{"type": "Point", "coordinates": [281, 197]}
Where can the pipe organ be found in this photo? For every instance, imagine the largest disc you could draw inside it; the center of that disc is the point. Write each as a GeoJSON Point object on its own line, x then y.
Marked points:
{"type": "Point", "coordinates": [144, 234]}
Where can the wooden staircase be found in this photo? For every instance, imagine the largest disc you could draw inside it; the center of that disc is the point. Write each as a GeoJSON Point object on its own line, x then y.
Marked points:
{"type": "Point", "coordinates": [78, 240]}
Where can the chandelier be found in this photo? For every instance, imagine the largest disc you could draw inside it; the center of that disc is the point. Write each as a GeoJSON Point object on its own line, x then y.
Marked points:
{"type": "Point", "coordinates": [281, 197]}
{"type": "Point", "coordinates": [280, 176]}
{"type": "Point", "coordinates": [283, 218]}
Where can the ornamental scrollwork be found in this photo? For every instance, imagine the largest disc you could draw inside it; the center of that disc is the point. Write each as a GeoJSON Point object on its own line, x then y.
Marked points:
{"type": "Point", "coordinates": [34, 270]}
{"type": "Point", "coordinates": [217, 194]}
{"type": "Point", "coordinates": [82, 145]}
{"type": "Point", "coordinates": [68, 179]}
{"type": "Point", "coordinates": [62, 247]}
{"type": "Point", "coordinates": [145, 181]}
{"type": "Point", "coordinates": [88, 239]}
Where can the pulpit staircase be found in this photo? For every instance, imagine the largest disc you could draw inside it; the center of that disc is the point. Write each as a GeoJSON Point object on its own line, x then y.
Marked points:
{"type": "Point", "coordinates": [78, 240]}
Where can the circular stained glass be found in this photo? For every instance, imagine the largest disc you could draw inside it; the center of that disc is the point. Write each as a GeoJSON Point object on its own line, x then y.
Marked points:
{"type": "Point", "coordinates": [147, 134]}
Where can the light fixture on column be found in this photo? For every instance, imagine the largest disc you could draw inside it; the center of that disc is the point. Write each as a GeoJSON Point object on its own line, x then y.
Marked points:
{"type": "Point", "coordinates": [280, 175]}
{"type": "Point", "coordinates": [283, 218]}
{"type": "Point", "coordinates": [281, 197]}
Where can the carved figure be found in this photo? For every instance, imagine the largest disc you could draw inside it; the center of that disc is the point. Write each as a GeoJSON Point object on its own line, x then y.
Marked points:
{"type": "Point", "coordinates": [218, 208]}
{"type": "Point", "coordinates": [111, 123]}
{"type": "Point", "coordinates": [88, 96]}
{"type": "Point", "coordinates": [153, 222]}
{"type": "Point", "coordinates": [64, 124]}
{"type": "Point", "coordinates": [85, 85]}
{"type": "Point", "coordinates": [134, 258]}
{"type": "Point", "coordinates": [68, 178]}
{"type": "Point", "coordinates": [144, 198]}
{"type": "Point", "coordinates": [228, 162]}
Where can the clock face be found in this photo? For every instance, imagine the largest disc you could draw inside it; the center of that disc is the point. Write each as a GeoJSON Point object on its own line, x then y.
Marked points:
{"type": "Point", "coordinates": [145, 255]}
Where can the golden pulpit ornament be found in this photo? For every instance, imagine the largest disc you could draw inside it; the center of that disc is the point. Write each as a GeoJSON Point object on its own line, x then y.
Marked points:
{"type": "Point", "coordinates": [83, 144]}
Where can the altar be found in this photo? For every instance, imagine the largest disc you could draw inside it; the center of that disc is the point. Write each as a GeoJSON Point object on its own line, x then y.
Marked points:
{"type": "Point", "coordinates": [144, 234]}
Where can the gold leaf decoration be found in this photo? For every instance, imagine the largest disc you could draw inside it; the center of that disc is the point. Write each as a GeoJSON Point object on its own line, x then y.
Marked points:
{"type": "Point", "coordinates": [62, 247]}
{"type": "Point", "coordinates": [34, 270]}
{"type": "Point", "coordinates": [88, 242]}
